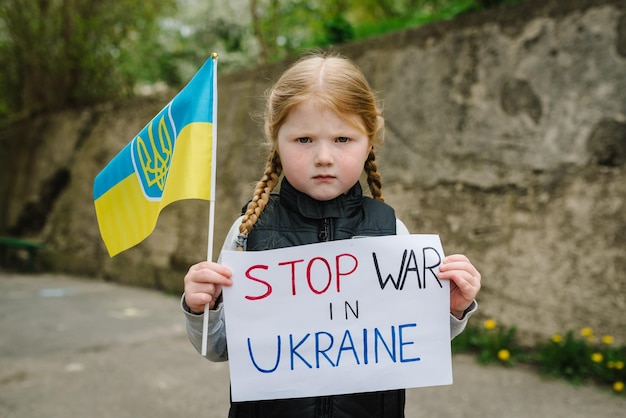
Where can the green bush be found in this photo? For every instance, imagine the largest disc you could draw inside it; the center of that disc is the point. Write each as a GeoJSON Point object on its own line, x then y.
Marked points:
{"type": "Point", "coordinates": [582, 358]}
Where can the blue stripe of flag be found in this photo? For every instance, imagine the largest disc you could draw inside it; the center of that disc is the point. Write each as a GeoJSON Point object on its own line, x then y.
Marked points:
{"type": "Point", "coordinates": [117, 170]}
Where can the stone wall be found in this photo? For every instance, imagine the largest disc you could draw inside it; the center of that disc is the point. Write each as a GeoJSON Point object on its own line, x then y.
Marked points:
{"type": "Point", "coordinates": [506, 135]}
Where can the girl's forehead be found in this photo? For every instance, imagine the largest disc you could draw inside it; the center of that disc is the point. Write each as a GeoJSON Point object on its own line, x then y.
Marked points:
{"type": "Point", "coordinates": [315, 107]}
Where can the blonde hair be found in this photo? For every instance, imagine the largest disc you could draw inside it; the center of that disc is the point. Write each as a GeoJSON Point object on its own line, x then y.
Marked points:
{"type": "Point", "coordinates": [336, 83]}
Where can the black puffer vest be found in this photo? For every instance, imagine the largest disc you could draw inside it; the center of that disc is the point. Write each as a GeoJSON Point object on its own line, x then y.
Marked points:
{"type": "Point", "coordinates": [292, 218]}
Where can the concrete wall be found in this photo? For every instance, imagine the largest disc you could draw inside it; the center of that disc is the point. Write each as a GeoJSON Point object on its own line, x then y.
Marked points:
{"type": "Point", "coordinates": [506, 135]}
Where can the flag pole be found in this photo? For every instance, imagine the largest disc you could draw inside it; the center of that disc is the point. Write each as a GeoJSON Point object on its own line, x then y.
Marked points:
{"type": "Point", "coordinates": [209, 256]}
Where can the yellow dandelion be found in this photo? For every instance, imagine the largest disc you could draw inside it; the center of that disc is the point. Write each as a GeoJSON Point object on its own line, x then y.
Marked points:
{"type": "Point", "coordinates": [607, 339]}
{"type": "Point", "coordinates": [619, 365]}
{"type": "Point", "coordinates": [618, 386]}
{"type": "Point", "coordinates": [557, 338]}
{"type": "Point", "coordinates": [586, 332]}
{"type": "Point", "coordinates": [504, 354]}
{"type": "Point", "coordinates": [490, 324]}
{"type": "Point", "coordinates": [597, 357]}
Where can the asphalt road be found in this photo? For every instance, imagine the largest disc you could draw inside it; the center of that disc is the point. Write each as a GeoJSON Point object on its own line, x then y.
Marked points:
{"type": "Point", "coordinates": [77, 347]}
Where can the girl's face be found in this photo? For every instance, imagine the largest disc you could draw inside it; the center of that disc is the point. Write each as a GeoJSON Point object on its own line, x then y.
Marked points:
{"type": "Point", "coordinates": [322, 154]}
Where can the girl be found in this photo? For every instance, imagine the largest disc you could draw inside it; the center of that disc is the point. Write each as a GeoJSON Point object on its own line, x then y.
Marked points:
{"type": "Point", "coordinates": [322, 125]}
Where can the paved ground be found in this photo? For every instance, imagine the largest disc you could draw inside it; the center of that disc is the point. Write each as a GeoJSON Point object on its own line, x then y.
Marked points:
{"type": "Point", "coordinates": [82, 348]}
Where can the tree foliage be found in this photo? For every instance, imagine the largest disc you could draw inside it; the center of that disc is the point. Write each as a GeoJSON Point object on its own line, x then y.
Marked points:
{"type": "Point", "coordinates": [63, 53]}
{"type": "Point", "coordinates": [284, 26]}
{"type": "Point", "coordinates": [59, 53]}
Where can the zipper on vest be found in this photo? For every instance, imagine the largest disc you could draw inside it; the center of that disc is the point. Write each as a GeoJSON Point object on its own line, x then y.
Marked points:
{"type": "Point", "coordinates": [324, 230]}
{"type": "Point", "coordinates": [324, 405]}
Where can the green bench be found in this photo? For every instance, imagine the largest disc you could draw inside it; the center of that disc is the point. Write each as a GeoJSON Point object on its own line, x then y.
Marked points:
{"type": "Point", "coordinates": [30, 246]}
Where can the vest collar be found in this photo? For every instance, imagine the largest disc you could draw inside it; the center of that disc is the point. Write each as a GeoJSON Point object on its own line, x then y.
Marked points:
{"type": "Point", "coordinates": [339, 207]}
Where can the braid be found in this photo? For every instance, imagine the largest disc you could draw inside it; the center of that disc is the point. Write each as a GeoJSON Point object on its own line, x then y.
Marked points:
{"type": "Point", "coordinates": [261, 196]}
{"type": "Point", "coordinates": [373, 177]}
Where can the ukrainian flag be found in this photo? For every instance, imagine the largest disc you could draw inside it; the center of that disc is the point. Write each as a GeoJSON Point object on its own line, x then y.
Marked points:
{"type": "Point", "coordinates": [171, 159]}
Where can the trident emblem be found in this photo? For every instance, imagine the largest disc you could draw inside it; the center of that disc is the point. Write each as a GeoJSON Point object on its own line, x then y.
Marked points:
{"type": "Point", "coordinates": [155, 157]}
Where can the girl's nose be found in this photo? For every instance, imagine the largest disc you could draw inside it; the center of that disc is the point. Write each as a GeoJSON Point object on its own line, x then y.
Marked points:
{"type": "Point", "coordinates": [323, 154]}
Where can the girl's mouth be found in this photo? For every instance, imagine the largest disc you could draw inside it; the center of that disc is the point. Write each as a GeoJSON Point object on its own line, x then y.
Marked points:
{"type": "Point", "coordinates": [323, 178]}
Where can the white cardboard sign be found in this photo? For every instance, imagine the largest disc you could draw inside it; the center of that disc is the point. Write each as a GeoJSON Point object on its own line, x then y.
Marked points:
{"type": "Point", "coordinates": [339, 317]}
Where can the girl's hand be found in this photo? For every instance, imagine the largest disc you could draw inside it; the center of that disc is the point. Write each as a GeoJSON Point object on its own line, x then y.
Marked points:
{"type": "Point", "coordinates": [464, 282]}
{"type": "Point", "coordinates": [203, 284]}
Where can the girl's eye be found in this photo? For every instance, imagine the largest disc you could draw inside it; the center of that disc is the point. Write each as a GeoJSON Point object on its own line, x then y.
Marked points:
{"type": "Point", "coordinates": [342, 139]}
{"type": "Point", "coordinates": [303, 140]}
